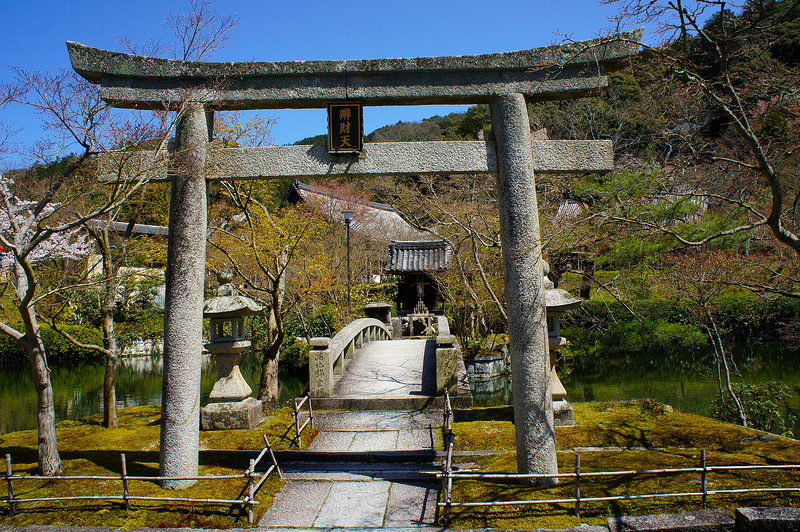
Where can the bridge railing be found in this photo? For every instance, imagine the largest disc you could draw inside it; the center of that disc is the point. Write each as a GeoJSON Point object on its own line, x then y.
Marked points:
{"type": "Point", "coordinates": [328, 356]}
{"type": "Point", "coordinates": [446, 358]}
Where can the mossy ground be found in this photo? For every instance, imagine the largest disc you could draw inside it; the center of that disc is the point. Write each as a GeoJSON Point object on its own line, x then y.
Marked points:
{"type": "Point", "coordinates": [669, 441]}
{"type": "Point", "coordinates": [89, 449]}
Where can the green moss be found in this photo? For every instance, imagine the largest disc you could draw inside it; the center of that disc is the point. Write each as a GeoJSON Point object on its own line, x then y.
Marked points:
{"type": "Point", "coordinates": [672, 440]}
{"type": "Point", "coordinates": [87, 448]}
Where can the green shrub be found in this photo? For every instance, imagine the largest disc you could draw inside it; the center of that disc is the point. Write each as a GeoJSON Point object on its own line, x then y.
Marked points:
{"type": "Point", "coordinates": [320, 325]}
{"type": "Point", "coordinates": [56, 346]}
{"type": "Point", "coordinates": [295, 356]}
{"type": "Point", "coordinates": [474, 347]}
{"type": "Point", "coordinates": [634, 336]}
{"type": "Point", "coordinates": [763, 404]}
{"type": "Point", "coordinates": [485, 345]}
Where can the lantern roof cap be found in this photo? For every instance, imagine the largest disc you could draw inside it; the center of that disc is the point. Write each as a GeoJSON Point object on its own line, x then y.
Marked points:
{"type": "Point", "coordinates": [556, 299]}
{"type": "Point", "coordinates": [228, 302]}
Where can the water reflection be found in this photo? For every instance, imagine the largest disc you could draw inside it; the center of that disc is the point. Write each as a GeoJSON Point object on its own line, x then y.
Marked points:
{"type": "Point", "coordinates": [78, 387]}
{"type": "Point", "coordinates": [687, 380]}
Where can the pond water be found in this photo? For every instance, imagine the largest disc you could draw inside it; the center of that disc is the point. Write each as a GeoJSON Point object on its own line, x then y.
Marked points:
{"type": "Point", "coordinates": [683, 379]}
{"type": "Point", "coordinates": [78, 387]}
{"type": "Point", "coordinates": [687, 380]}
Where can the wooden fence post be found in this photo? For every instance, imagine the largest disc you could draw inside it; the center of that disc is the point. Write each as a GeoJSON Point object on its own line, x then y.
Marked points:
{"type": "Point", "coordinates": [296, 412]}
{"type": "Point", "coordinates": [11, 504]}
{"type": "Point", "coordinates": [577, 484]}
{"type": "Point", "coordinates": [250, 491]}
{"type": "Point", "coordinates": [125, 492]}
{"type": "Point", "coordinates": [272, 455]}
{"type": "Point", "coordinates": [703, 476]}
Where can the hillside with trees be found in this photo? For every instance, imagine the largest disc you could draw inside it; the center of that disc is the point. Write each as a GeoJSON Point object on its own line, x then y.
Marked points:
{"type": "Point", "coordinates": [693, 239]}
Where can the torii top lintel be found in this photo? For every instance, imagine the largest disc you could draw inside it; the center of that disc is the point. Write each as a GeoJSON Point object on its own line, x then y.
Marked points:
{"type": "Point", "coordinates": [549, 73]}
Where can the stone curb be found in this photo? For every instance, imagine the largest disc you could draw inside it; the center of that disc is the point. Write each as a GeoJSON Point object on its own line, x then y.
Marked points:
{"type": "Point", "coordinates": [747, 520]}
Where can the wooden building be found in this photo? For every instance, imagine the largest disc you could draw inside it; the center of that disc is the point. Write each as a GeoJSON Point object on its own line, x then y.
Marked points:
{"type": "Point", "coordinates": [416, 263]}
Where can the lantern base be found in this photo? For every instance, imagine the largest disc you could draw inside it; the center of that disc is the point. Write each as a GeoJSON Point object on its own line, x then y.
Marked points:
{"type": "Point", "coordinates": [240, 415]}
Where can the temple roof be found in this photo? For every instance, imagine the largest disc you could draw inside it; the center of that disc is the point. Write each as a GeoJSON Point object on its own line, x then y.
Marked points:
{"type": "Point", "coordinates": [138, 229]}
{"type": "Point", "coordinates": [418, 256]}
{"type": "Point", "coordinates": [376, 220]}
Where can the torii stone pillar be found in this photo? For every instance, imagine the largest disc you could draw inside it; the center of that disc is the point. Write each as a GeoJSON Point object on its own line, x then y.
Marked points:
{"type": "Point", "coordinates": [183, 314]}
{"type": "Point", "coordinates": [556, 72]}
{"type": "Point", "coordinates": [522, 266]}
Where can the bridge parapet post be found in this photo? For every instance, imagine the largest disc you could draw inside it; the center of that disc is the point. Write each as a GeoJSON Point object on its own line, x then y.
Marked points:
{"type": "Point", "coordinates": [320, 368]}
{"type": "Point", "coordinates": [446, 359]}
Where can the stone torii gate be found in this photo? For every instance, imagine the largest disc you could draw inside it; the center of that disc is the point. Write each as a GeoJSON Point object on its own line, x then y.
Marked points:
{"type": "Point", "coordinates": [504, 81]}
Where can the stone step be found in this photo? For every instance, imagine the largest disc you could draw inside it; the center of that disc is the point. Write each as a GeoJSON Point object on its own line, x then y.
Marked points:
{"type": "Point", "coordinates": [376, 420]}
{"type": "Point", "coordinates": [371, 402]}
{"type": "Point", "coordinates": [429, 456]}
{"type": "Point", "coordinates": [332, 471]}
{"type": "Point", "coordinates": [697, 521]}
{"type": "Point", "coordinates": [767, 519]}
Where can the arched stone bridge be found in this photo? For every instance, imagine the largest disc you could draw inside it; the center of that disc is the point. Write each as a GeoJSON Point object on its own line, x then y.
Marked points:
{"type": "Point", "coordinates": [363, 368]}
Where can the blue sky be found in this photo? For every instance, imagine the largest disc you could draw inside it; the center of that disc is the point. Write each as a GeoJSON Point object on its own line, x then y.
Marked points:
{"type": "Point", "coordinates": [35, 31]}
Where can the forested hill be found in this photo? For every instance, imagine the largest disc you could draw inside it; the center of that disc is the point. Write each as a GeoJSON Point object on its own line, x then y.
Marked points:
{"type": "Point", "coordinates": [455, 126]}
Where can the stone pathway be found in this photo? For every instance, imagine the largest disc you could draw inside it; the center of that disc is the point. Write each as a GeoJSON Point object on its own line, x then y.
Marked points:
{"type": "Point", "coordinates": [352, 491]}
{"type": "Point", "coordinates": [390, 368]}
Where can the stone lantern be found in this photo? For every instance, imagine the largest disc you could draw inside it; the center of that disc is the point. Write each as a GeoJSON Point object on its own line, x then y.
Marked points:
{"type": "Point", "coordinates": [231, 406]}
{"type": "Point", "coordinates": [558, 301]}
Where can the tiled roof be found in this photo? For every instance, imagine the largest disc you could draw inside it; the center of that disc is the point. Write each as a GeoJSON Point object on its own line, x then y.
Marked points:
{"type": "Point", "coordinates": [377, 220]}
{"type": "Point", "coordinates": [569, 209]}
{"type": "Point", "coordinates": [138, 229]}
{"type": "Point", "coordinates": [417, 256]}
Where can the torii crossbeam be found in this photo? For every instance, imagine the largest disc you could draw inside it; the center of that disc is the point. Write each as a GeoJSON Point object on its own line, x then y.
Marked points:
{"type": "Point", "coordinates": [504, 81]}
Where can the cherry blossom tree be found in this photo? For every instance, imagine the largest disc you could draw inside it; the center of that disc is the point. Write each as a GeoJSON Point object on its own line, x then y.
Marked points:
{"type": "Point", "coordinates": [41, 215]}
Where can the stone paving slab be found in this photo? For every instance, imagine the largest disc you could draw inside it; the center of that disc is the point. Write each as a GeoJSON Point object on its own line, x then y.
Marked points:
{"type": "Point", "coordinates": [377, 420]}
{"type": "Point", "coordinates": [357, 471]}
{"type": "Point", "coordinates": [388, 440]}
{"type": "Point", "coordinates": [411, 503]}
{"type": "Point", "coordinates": [343, 529]}
{"type": "Point", "coordinates": [332, 441]}
{"type": "Point", "coordinates": [768, 519]}
{"type": "Point", "coordinates": [418, 439]}
{"type": "Point", "coordinates": [374, 441]}
{"type": "Point", "coordinates": [354, 504]}
{"type": "Point", "coordinates": [286, 509]}
{"type": "Point", "coordinates": [718, 520]}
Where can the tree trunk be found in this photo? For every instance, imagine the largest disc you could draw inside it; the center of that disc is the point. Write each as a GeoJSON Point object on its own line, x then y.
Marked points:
{"type": "Point", "coordinates": [268, 387]}
{"type": "Point", "coordinates": [722, 358]}
{"type": "Point", "coordinates": [110, 269]}
{"type": "Point", "coordinates": [49, 459]}
{"type": "Point", "coordinates": [110, 419]}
